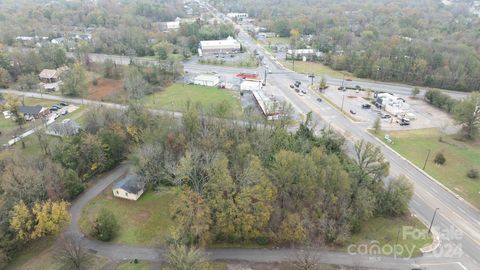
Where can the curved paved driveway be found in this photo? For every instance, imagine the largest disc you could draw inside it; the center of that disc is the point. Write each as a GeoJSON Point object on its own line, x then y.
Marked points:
{"type": "Point", "coordinates": [118, 252]}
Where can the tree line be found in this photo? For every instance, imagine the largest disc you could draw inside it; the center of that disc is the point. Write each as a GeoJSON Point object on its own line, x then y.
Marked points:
{"type": "Point", "coordinates": [245, 183]}
{"type": "Point", "coordinates": [466, 112]}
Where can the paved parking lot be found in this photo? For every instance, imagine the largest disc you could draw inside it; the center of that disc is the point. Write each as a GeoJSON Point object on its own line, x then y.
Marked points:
{"type": "Point", "coordinates": [427, 116]}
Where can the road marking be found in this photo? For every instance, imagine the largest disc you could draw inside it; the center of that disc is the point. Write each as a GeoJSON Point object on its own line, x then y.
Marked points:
{"type": "Point", "coordinates": [461, 210]}
{"type": "Point", "coordinates": [447, 263]}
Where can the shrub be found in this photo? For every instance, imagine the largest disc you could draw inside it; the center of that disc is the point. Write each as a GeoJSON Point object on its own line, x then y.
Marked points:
{"type": "Point", "coordinates": [473, 174]}
{"type": "Point", "coordinates": [440, 158]}
{"type": "Point", "coordinates": [105, 226]}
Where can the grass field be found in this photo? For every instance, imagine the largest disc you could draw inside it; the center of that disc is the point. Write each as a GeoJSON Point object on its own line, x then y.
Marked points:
{"type": "Point", "coordinates": [385, 231]}
{"type": "Point", "coordinates": [315, 68]}
{"type": "Point", "coordinates": [460, 156]}
{"type": "Point", "coordinates": [146, 221]}
{"type": "Point", "coordinates": [176, 97]}
{"type": "Point", "coordinates": [40, 254]}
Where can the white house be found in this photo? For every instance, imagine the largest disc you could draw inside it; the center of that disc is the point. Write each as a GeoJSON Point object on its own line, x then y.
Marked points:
{"type": "Point", "coordinates": [248, 85]}
{"type": "Point", "coordinates": [206, 80]}
{"type": "Point", "coordinates": [131, 188]}
{"type": "Point", "coordinates": [173, 25]}
{"type": "Point", "coordinates": [228, 45]}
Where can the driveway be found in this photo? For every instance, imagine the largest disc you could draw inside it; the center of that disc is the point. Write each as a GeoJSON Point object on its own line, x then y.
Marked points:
{"type": "Point", "coordinates": [117, 252]}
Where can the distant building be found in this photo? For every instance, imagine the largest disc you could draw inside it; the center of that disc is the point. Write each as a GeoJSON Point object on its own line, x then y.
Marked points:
{"type": "Point", "coordinates": [67, 127]}
{"type": "Point", "coordinates": [268, 105]}
{"type": "Point", "coordinates": [229, 45]}
{"type": "Point", "coordinates": [59, 40]}
{"type": "Point", "coordinates": [304, 54]}
{"type": "Point", "coordinates": [131, 188]}
{"type": "Point", "coordinates": [264, 35]}
{"type": "Point", "coordinates": [33, 111]}
{"type": "Point", "coordinates": [50, 78]}
{"type": "Point", "coordinates": [248, 85]}
{"type": "Point", "coordinates": [237, 16]}
{"type": "Point", "coordinates": [173, 25]}
{"type": "Point", "coordinates": [206, 80]}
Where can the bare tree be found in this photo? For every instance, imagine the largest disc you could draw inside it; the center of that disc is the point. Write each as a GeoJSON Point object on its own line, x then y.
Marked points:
{"type": "Point", "coordinates": [371, 161]}
{"type": "Point", "coordinates": [71, 254]}
{"type": "Point", "coordinates": [307, 258]}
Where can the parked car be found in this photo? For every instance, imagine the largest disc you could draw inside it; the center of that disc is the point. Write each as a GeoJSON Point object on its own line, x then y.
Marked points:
{"type": "Point", "coordinates": [53, 109]}
{"type": "Point", "coordinates": [297, 83]}
{"type": "Point", "coordinates": [63, 103]}
{"type": "Point", "coordinates": [352, 112]}
{"type": "Point", "coordinates": [304, 91]}
{"type": "Point", "coordinates": [342, 88]}
{"type": "Point", "coordinates": [404, 123]}
{"type": "Point", "coordinates": [292, 86]}
{"type": "Point", "coordinates": [297, 90]}
{"type": "Point", "coordinates": [319, 99]}
{"type": "Point", "coordinates": [349, 79]}
{"type": "Point", "coordinates": [366, 106]}
{"type": "Point", "coordinates": [64, 112]}
{"type": "Point", "coordinates": [386, 116]}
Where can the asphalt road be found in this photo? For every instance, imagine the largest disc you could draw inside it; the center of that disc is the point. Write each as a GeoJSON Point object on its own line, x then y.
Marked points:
{"type": "Point", "coordinates": [457, 221]}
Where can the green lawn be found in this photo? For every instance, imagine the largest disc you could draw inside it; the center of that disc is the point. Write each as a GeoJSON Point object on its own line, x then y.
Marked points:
{"type": "Point", "coordinates": [315, 68]}
{"type": "Point", "coordinates": [176, 97]}
{"type": "Point", "coordinates": [6, 123]}
{"type": "Point", "coordinates": [143, 222]}
{"type": "Point", "coordinates": [460, 156]}
{"type": "Point", "coordinates": [40, 254]}
{"type": "Point", "coordinates": [385, 231]}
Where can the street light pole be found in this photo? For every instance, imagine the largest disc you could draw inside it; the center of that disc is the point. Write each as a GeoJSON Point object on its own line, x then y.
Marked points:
{"type": "Point", "coordinates": [433, 218]}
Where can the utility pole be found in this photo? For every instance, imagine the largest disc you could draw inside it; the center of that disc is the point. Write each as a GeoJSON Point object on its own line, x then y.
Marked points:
{"type": "Point", "coordinates": [265, 80]}
{"type": "Point", "coordinates": [426, 160]}
{"type": "Point", "coordinates": [433, 218]}
{"type": "Point", "coordinates": [343, 89]}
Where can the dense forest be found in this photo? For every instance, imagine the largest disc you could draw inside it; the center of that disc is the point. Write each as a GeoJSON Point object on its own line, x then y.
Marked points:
{"type": "Point", "coordinates": [117, 27]}
{"type": "Point", "coordinates": [418, 42]}
{"type": "Point", "coordinates": [240, 182]}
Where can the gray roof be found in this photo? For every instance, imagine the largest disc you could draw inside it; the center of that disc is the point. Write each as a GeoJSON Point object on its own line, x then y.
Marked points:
{"type": "Point", "coordinates": [32, 110]}
{"type": "Point", "coordinates": [67, 127]}
{"type": "Point", "coordinates": [131, 184]}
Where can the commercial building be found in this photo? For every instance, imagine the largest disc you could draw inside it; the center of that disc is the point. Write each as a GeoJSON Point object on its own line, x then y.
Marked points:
{"type": "Point", "coordinates": [206, 80]}
{"type": "Point", "coordinates": [304, 54]}
{"type": "Point", "coordinates": [267, 104]}
{"type": "Point", "coordinates": [248, 85]}
{"type": "Point", "coordinates": [237, 16]}
{"type": "Point", "coordinates": [229, 45]}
